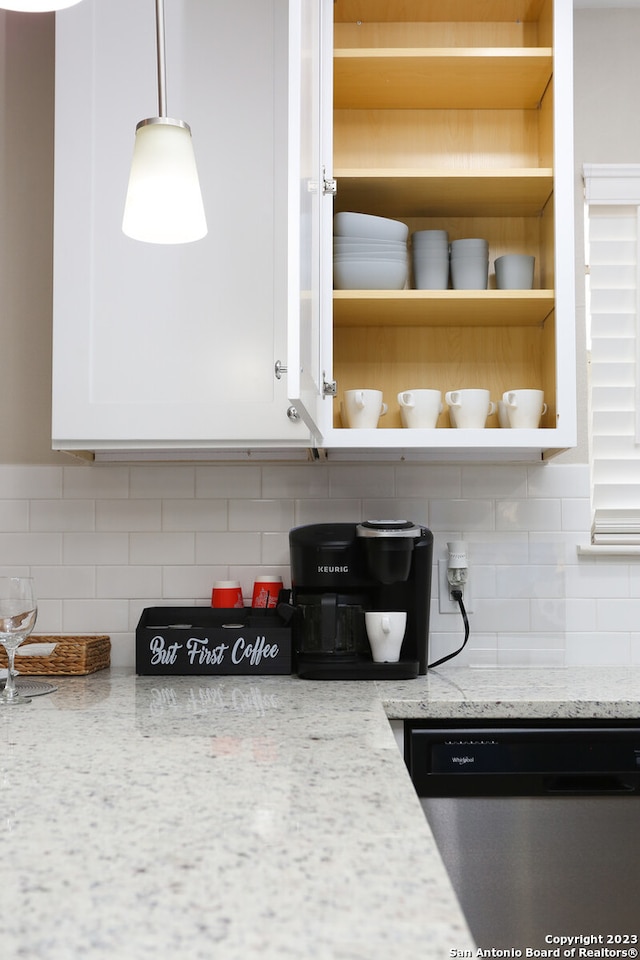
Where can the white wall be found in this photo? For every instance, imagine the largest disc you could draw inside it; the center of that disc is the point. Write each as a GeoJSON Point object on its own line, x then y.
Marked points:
{"type": "Point", "coordinates": [26, 225]}
{"type": "Point", "coordinates": [606, 84]}
{"type": "Point", "coordinates": [105, 541]}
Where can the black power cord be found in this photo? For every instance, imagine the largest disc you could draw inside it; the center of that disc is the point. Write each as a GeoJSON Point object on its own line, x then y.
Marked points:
{"type": "Point", "coordinates": [456, 594]}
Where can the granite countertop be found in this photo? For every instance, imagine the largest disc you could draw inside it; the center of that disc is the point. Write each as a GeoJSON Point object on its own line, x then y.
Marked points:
{"type": "Point", "coordinates": [518, 692]}
{"type": "Point", "coordinates": [242, 817]}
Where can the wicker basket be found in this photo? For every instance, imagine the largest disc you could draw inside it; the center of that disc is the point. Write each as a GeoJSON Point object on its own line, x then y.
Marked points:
{"type": "Point", "coordinates": [73, 656]}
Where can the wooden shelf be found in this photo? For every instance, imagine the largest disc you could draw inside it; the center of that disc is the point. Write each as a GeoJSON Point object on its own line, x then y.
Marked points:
{"type": "Point", "coordinates": [442, 308]}
{"type": "Point", "coordinates": [445, 117]}
{"type": "Point", "coordinates": [350, 11]}
{"type": "Point", "coordinates": [445, 192]}
{"type": "Point", "coordinates": [441, 78]}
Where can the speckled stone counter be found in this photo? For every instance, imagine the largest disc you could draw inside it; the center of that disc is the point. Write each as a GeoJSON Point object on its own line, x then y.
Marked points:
{"type": "Point", "coordinates": [519, 692]}
{"type": "Point", "coordinates": [243, 817]}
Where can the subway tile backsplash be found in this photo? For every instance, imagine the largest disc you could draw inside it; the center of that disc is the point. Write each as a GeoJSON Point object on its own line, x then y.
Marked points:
{"type": "Point", "coordinates": [105, 541]}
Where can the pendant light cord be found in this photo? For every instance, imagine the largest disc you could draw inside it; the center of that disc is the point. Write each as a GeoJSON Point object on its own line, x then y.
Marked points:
{"type": "Point", "coordinates": [161, 59]}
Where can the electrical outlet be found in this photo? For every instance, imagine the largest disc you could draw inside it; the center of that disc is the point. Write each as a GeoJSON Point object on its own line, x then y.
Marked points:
{"type": "Point", "coordinates": [446, 604]}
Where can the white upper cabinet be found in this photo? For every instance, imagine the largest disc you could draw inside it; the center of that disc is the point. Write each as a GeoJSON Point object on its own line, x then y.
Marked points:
{"type": "Point", "coordinates": [444, 116]}
{"type": "Point", "coordinates": [441, 115]}
{"type": "Point", "coordinates": [161, 348]}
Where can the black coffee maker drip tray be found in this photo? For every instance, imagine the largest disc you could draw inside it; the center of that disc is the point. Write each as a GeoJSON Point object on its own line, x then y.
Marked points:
{"type": "Point", "coordinates": [359, 669]}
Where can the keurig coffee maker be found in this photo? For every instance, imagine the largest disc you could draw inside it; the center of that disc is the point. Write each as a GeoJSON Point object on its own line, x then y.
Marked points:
{"type": "Point", "coordinates": [341, 570]}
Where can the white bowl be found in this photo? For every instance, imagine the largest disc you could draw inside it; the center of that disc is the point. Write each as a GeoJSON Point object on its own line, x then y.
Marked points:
{"type": "Point", "coordinates": [369, 275]}
{"type": "Point", "coordinates": [370, 262]}
{"type": "Point", "coordinates": [363, 246]}
{"type": "Point", "coordinates": [348, 224]}
{"type": "Point", "coordinates": [370, 241]}
{"type": "Point", "coordinates": [367, 253]}
{"type": "Point", "coordinates": [371, 257]}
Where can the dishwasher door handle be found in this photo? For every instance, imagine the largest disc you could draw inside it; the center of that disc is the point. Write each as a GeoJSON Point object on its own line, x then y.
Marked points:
{"type": "Point", "coordinates": [587, 783]}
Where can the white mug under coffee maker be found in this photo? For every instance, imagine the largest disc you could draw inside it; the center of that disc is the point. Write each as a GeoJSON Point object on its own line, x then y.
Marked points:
{"type": "Point", "coordinates": [385, 630]}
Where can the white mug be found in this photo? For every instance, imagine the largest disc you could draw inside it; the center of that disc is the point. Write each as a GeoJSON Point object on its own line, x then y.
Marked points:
{"type": "Point", "coordinates": [525, 407]}
{"type": "Point", "coordinates": [385, 630]}
{"type": "Point", "coordinates": [420, 408]}
{"type": "Point", "coordinates": [362, 408]}
{"type": "Point", "coordinates": [469, 408]}
{"type": "Point", "coordinates": [503, 414]}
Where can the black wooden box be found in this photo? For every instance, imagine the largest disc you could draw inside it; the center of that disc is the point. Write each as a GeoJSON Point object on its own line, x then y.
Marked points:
{"type": "Point", "coordinates": [199, 641]}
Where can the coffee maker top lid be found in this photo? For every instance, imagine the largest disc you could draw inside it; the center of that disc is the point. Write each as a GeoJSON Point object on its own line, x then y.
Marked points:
{"type": "Point", "coordinates": [388, 528]}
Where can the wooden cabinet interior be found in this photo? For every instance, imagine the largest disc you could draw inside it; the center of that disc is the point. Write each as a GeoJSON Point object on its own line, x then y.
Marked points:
{"type": "Point", "coordinates": [445, 120]}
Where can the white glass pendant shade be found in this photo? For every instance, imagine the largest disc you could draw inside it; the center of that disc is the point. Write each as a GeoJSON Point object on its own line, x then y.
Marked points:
{"type": "Point", "coordinates": [164, 203]}
{"type": "Point", "coordinates": [36, 6]}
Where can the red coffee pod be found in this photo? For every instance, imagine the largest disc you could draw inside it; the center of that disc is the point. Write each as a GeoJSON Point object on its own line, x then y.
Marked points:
{"type": "Point", "coordinates": [265, 591]}
{"type": "Point", "coordinates": [226, 594]}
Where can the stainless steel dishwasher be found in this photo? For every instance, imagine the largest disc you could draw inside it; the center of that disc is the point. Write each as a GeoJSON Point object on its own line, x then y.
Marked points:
{"type": "Point", "coordinates": [538, 825]}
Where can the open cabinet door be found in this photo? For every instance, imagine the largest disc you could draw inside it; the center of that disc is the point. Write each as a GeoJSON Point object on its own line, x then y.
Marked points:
{"type": "Point", "coordinates": [310, 211]}
{"type": "Point", "coordinates": [170, 349]}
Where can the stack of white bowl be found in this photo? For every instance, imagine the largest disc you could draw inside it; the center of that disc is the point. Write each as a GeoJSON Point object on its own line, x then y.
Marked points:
{"type": "Point", "coordinates": [469, 264]}
{"type": "Point", "coordinates": [369, 253]}
{"type": "Point", "coordinates": [430, 259]}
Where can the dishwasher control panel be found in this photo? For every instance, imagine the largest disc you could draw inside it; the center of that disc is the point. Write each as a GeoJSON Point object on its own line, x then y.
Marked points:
{"type": "Point", "coordinates": [522, 758]}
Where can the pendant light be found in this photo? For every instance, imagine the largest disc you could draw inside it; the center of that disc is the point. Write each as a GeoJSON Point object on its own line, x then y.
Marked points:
{"type": "Point", "coordinates": [164, 203]}
{"type": "Point", "coordinates": [36, 6]}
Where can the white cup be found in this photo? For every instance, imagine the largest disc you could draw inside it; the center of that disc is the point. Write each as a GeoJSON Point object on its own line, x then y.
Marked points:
{"type": "Point", "coordinates": [469, 408]}
{"type": "Point", "coordinates": [514, 271]}
{"type": "Point", "coordinates": [385, 630]}
{"type": "Point", "coordinates": [420, 408]}
{"type": "Point", "coordinates": [503, 414]}
{"type": "Point", "coordinates": [525, 407]}
{"type": "Point", "coordinates": [362, 408]}
{"type": "Point", "coordinates": [469, 273]}
{"type": "Point", "coordinates": [430, 273]}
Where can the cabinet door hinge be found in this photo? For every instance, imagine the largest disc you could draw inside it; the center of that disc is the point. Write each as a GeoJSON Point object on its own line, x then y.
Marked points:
{"type": "Point", "coordinates": [329, 388]}
{"type": "Point", "coordinates": [329, 185]}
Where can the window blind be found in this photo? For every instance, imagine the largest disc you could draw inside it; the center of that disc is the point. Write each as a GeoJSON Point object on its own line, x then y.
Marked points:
{"type": "Point", "coordinates": [613, 312]}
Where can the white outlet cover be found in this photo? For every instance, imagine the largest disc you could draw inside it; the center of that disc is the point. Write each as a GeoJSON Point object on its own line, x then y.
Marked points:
{"type": "Point", "coordinates": [446, 605]}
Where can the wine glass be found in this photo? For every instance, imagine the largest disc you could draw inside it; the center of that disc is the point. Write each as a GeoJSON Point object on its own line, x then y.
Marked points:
{"type": "Point", "coordinates": [18, 611]}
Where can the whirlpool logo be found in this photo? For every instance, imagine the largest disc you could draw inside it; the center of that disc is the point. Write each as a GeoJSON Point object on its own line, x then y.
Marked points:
{"type": "Point", "coordinates": [463, 760]}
